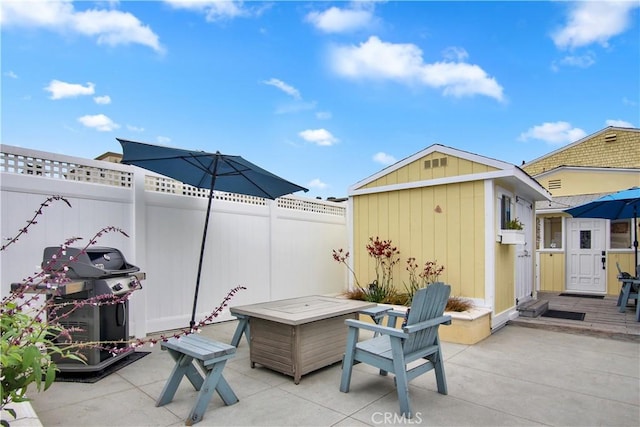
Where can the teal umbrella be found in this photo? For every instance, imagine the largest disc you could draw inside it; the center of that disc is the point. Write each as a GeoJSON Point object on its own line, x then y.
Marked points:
{"type": "Point", "coordinates": [212, 171]}
{"type": "Point", "coordinates": [624, 204]}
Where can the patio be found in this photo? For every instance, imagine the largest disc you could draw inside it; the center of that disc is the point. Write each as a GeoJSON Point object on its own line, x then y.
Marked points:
{"type": "Point", "coordinates": [517, 376]}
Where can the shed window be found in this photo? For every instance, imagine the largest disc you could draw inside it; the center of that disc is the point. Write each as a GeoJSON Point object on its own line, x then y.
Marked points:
{"type": "Point", "coordinates": [505, 211]}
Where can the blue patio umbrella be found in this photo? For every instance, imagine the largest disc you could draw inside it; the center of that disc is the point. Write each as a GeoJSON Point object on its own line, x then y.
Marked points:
{"type": "Point", "coordinates": [624, 204]}
{"type": "Point", "coordinates": [212, 171]}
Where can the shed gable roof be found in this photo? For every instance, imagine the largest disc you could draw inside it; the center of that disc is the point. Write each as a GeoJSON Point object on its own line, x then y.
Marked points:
{"type": "Point", "coordinates": [477, 168]}
{"type": "Point", "coordinates": [374, 179]}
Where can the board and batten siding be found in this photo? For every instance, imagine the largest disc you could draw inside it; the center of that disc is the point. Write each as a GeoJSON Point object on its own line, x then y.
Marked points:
{"type": "Point", "coordinates": [552, 271]}
{"type": "Point", "coordinates": [443, 223]}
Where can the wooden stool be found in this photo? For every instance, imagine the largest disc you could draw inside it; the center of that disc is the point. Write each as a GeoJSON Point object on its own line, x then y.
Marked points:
{"type": "Point", "coordinates": [211, 356]}
{"type": "Point", "coordinates": [242, 328]}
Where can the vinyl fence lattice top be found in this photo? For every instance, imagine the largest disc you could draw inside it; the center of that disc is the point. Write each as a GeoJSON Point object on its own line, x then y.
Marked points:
{"type": "Point", "coordinates": [55, 169]}
{"type": "Point", "coordinates": [19, 163]}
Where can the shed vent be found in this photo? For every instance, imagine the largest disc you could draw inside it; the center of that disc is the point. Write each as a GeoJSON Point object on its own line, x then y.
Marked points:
{"type": "Point", "coordinates": [611, 137]}
{"type": "Point", "coordinates": [435, 163]}
{"type": "Point", "coordinates": [555, 184]}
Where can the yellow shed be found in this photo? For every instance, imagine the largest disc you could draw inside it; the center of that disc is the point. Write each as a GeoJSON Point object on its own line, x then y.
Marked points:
{"type": "Point", "coordinates": [451, 206]}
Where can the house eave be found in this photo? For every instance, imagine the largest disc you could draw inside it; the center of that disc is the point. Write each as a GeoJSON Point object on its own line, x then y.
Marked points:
{"type": "Point", "coordinates": [523, 183]}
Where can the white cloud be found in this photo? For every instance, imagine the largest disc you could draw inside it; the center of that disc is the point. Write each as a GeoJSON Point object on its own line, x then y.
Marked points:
{"type": "Point", "coordinates": [553, 133]}
{"type": "Point", "coordinates": [99, 122]}
{"type": "Point", "coordinates": [163, 139]}
{"type": "Point", "coordinates": [594, 22]}
{"type": "Point", "coordinates": [218, 10]}
{"type": "Point", "coordinates": [324, 115]}
{"type": "Point", "coordinates": [110, 27]}
{"type": "Point", "coordinates": [384, 158]}
{"type": "Point", "coordinates": [289, 90]}
{"type": "Point", "coordinates": [454, 53]}
{"type": "Point", "coordinates": [629, 102]}
{"type": "Point", "coordinates": [103, 100]}
{"type": "Point", "coordinates": [581, 61]}
{"type": "Point", "coordinates": [11, 74]}
{"type": "Point", "coordinates": [61, 89]}
{"type": "Point", "coordinates": [295, 107]}
{"type": "Point", "coordinates": [317, 183]}
{"type": "Point", "coordinates": [619, 123]}
{"type": "Point", "coordinates": [336, 20]}
{"type": "Point", "coordinates": [320, 137]}
{"type": "Point", "coordinates": [135, 128]}
{"type": "Point", "coordinates": [375, 59]}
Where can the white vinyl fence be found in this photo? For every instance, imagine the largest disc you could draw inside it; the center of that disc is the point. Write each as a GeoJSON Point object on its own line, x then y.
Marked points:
{"type": "Point", "coordinates": [276, 249]}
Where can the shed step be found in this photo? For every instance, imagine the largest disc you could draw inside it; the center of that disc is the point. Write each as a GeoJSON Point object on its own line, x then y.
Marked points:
{"type": "Point", "coordinates": [533, 308]}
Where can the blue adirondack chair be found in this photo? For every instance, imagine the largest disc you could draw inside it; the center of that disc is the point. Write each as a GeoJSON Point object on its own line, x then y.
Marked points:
{"type": "Point", "coordinates": [629, 290]}
{"type": "Point", "coordinates": [394, 348]}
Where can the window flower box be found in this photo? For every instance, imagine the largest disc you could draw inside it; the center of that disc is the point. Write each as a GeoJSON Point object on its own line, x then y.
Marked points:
{"type": "Point", "coordinates": [512, 237]}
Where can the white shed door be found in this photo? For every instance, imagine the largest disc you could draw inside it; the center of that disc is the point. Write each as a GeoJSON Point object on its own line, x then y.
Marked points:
{"type": "Point", "coordinates": [524, 260]}
{"type": "Point", "coordinates": [585, 250]}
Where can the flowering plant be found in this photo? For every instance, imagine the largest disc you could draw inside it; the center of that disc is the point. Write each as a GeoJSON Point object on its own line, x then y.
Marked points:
{"type": "Point", "coordinates": [381, 290]}
{"type": "Point", "coordinates": [386, 257]}
{"type": "Point", "coordinates": [341, 257]}
{"type": "Point", "coordinates": [31, 332]}
{"type": "Point", "coordinates": [429, 274]}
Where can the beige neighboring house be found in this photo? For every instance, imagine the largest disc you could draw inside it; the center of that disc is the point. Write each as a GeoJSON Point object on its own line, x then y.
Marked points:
{"type": "Point", "coordinates": [451, 206]}
{"type": "Point", "coordinates": [110, 156]}
{"type": "Point", "coordinates": [579, 255]}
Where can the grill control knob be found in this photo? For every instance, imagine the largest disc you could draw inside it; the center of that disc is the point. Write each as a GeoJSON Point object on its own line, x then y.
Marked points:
{"type": "Point", "coordinates": [117, 287]}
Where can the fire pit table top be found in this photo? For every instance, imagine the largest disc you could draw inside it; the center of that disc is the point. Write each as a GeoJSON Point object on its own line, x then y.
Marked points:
{"type": "Point", "coordinates": [297, 311]}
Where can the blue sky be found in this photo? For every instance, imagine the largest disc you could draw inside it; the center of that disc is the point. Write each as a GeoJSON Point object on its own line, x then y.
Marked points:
{"type": "Point", "coordinates": [321, 93]}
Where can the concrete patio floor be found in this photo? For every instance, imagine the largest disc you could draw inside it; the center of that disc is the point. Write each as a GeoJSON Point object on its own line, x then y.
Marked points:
{"type": "Point", "coordinates": [518, 376]}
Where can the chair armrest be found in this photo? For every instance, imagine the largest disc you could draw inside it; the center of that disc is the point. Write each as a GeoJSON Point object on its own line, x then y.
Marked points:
{"type": "Point", "coordinates": [446, 320]}
{"type": "Point", "coordinates": [376, 328]}
{"type": "Point", "coordinates": [394, 315]}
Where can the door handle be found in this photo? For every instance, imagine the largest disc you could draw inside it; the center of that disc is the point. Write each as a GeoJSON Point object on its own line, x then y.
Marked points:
{"type": "Point", "coordinates": [604, 260]}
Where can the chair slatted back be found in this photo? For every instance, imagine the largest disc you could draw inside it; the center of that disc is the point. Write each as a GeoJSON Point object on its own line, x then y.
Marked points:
{"type": "Point", "coordinates": [428, 303]}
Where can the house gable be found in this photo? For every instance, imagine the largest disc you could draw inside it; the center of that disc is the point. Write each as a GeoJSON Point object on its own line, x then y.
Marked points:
{"type": "Point", "coordinates": [612, 147]}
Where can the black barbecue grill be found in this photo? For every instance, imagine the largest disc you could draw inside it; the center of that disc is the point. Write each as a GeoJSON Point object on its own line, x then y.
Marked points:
{"type": "Point", "coordinates": [92, 272]}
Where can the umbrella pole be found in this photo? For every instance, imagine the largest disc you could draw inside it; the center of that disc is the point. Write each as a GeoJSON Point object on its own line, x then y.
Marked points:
{"type": "Point", "coordinates": [204, 239]}
{"type": "Point", "coordinates": [635, 241]}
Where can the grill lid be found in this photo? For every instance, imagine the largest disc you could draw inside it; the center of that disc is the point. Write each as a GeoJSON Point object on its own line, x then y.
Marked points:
{"type": "Point", "coordinates": [94, 262]}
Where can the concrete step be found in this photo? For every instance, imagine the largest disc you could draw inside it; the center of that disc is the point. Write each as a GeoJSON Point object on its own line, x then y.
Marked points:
{"type": "Point", "coordinates": [533, 308]}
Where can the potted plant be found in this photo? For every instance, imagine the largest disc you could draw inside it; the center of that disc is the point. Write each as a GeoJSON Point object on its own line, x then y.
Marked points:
{"type": "Point", "coordinates": [513, 234]}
